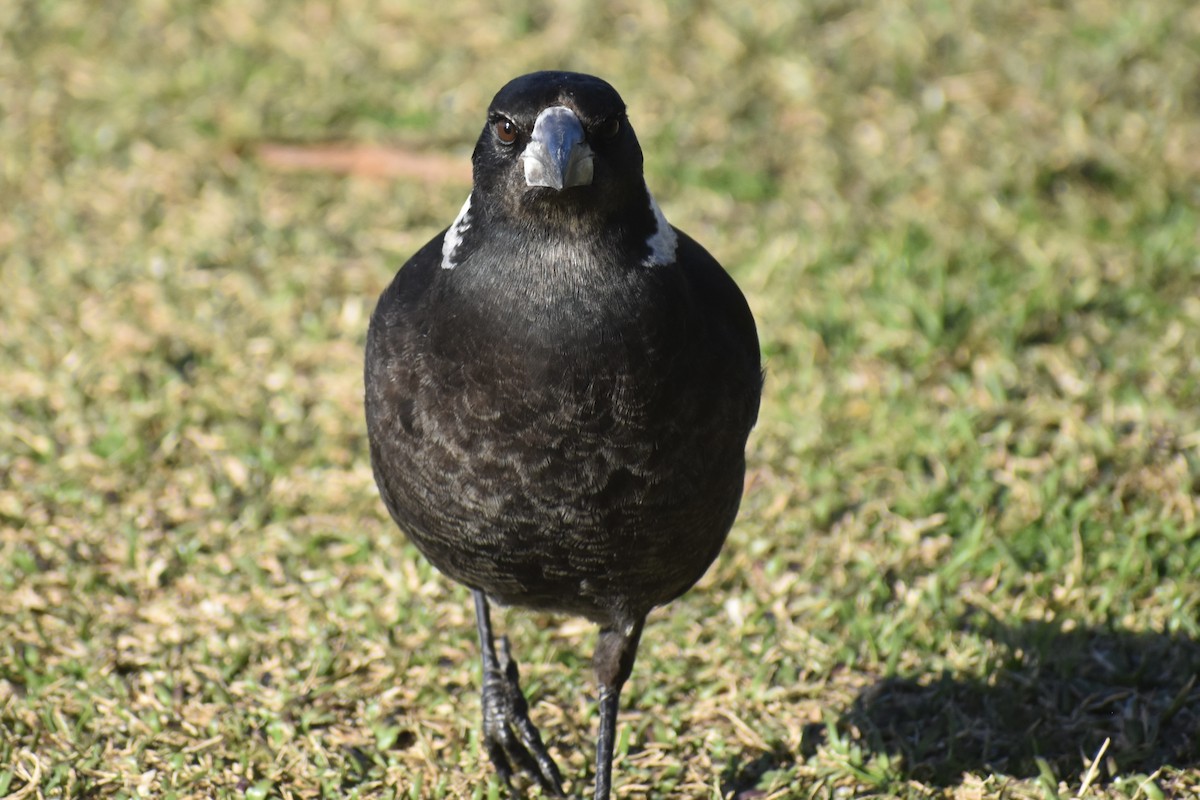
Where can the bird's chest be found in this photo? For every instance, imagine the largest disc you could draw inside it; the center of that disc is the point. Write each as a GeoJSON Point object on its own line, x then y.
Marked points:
{"type": "Point", "coordinates": [585, 347]}
{"type": "Point", "coordinates": [543, 381]}
{"type": "Point", "coordinates": [530, 381]}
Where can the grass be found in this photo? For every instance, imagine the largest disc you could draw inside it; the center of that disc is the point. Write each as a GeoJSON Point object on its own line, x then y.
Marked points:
{"type": "Point", "coordinates": [968, 563]}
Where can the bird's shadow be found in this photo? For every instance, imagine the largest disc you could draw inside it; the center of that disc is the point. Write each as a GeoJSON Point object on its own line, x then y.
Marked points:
{"type": "Point", "coordinates": [1059, 695]}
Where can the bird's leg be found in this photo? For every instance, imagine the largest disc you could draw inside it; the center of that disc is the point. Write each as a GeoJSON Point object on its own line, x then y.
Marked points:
{"type": "Point", "coordinates": [505, 711]}
{"type": "Point", "coordinates": [615, 651]}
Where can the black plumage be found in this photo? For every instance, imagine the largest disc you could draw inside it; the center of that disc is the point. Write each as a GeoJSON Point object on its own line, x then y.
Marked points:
{"type": "Point", "coordinates": [559, 388]}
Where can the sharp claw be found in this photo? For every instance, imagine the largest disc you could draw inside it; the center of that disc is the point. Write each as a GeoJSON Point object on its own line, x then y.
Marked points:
{"type": "Point", "coordinates": [510, 737]}
{"type": "Point", "coordinates": [499, 760]}
{"type": "Point", "coordinates": [539, 761]}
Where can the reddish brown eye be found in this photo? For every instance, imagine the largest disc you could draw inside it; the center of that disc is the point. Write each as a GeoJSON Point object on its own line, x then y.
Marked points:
{"type": "Point", "coordinates": [506, 131]}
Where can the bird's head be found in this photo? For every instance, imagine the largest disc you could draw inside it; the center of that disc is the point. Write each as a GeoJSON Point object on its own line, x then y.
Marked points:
{"type": "Point", "coordinates": [557, 145]}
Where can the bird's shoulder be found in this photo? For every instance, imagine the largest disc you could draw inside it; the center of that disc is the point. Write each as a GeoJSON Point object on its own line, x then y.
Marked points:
{"type": "Point", "coordinates": [716, 295]}
{"type": "Point", "coordinates": [410, 285]}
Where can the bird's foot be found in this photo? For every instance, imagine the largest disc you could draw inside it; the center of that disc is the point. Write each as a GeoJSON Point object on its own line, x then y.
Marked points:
{"type": "Point", "coordinates": [509, 735]}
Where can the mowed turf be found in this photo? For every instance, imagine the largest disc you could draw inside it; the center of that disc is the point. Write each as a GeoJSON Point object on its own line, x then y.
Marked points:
{"type": "Point", "coordinates": [968, 561]}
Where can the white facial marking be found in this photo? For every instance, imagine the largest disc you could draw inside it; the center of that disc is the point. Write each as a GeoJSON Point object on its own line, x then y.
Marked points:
{"type": "Point", "coordinates": [663, 242]}
{"type": "Point", "coordinates": [454, 235]}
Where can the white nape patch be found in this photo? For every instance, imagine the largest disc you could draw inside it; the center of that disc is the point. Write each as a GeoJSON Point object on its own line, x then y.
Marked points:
{"type": "Point", "coordinates": [454, 235]}
{"type": "Point", "coordinates": [663, 242]}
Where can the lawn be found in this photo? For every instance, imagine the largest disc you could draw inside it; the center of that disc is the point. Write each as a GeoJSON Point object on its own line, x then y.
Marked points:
{"type": "Point", "coordinates": [968, 560]}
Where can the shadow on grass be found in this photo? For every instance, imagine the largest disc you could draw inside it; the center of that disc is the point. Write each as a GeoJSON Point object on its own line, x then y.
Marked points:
{"type": "Point", "coordinates": [740, 777]}
{"type": "Point", "coordinates": [1058, 698]}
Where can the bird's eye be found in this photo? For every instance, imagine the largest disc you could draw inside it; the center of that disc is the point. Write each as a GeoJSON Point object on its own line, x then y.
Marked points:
{"type": "Point", "coordinates": [506, 131]}
{"type": "Point", "coordinates": [609, 128]}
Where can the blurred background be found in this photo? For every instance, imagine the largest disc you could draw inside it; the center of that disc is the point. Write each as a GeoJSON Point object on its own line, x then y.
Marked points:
{"type": "Point", "coordinates": [968, 562]}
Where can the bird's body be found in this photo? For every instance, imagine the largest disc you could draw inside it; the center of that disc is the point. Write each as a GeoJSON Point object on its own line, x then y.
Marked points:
{"type": "Point", "coordinates": [559, 451]}
{"type": "Point", "coordinates": [559, 386]}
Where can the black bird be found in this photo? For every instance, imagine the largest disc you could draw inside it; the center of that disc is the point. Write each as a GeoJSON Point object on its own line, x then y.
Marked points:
{"type": "Point", "coordinates": [559, 388]}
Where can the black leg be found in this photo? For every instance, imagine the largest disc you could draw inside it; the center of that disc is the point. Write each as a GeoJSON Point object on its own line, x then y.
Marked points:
{"type": "Point", "coordinates": [505, 710]}
{"type": "Point", "coordinates": [613, 661]}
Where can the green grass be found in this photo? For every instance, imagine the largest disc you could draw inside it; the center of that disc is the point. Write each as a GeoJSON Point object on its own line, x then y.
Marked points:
{"type": "Point", "coordinates": [969, 555]}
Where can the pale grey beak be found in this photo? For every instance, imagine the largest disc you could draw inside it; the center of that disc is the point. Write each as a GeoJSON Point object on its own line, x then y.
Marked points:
{"type": "Point", "coordinates": [557, 155]}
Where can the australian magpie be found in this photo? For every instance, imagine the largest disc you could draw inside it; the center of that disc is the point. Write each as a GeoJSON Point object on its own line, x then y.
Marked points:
{"type": "Point", "coordinates": [559, 389]}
